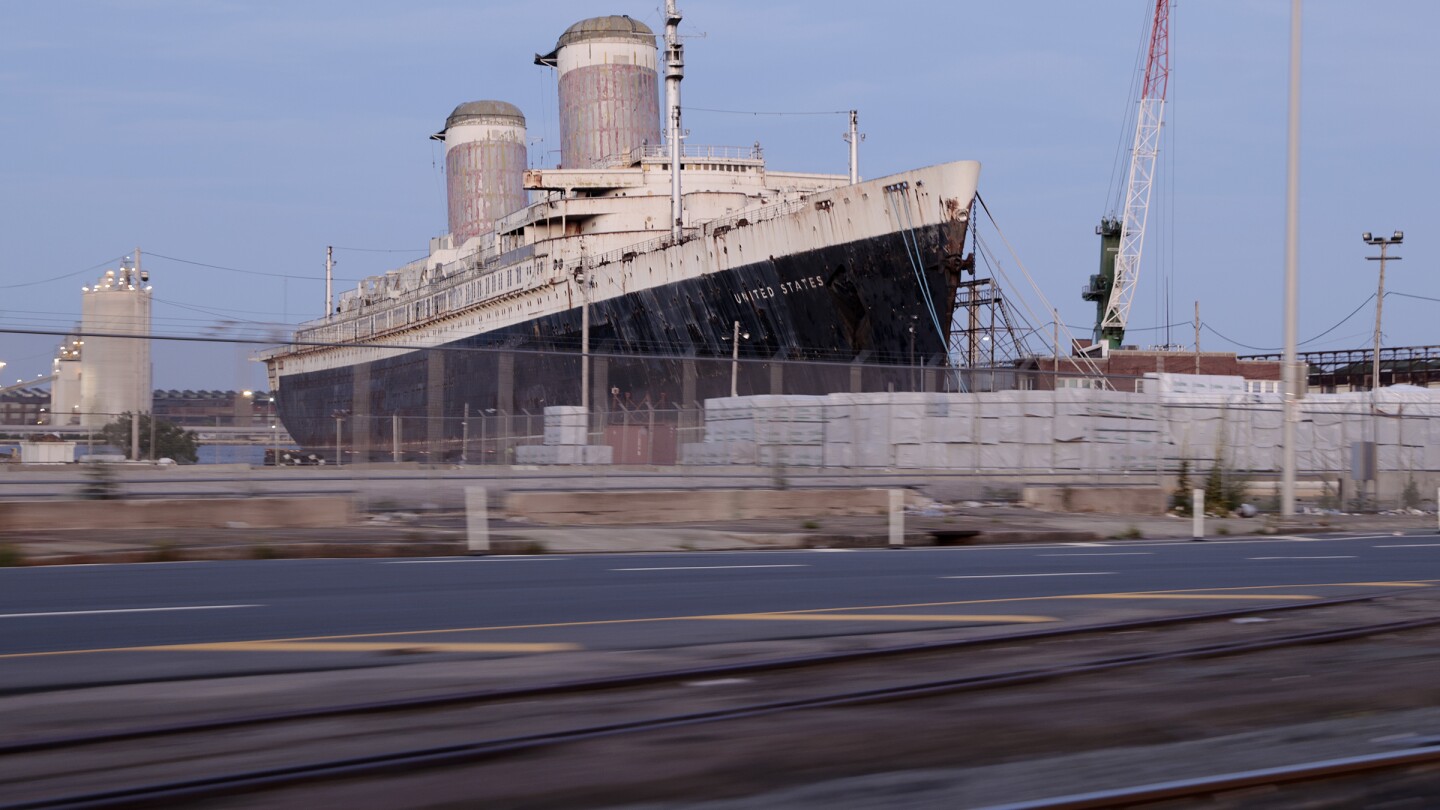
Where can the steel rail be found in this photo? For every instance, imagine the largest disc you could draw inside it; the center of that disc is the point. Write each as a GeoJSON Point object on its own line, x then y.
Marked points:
{"type": "Point", "coordinates": [468, 753]}
{"type": "Point", "coordinates": [648, 678]}
{"type": "Point", "coordinates": [1205, 785]}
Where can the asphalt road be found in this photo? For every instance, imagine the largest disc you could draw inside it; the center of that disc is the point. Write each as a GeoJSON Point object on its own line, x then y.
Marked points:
{"type": "Point", "coordinates": [77, 625]}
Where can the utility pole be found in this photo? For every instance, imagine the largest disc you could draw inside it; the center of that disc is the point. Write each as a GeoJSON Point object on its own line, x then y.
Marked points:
{"type": "Point", "coordinates": [1054, 381]}
{"type": "Point", "coordinates": [585, 342]}
{"type": "Point", "coordinates": [674, 72]}
{"type": "Point", "coordinates": [1383, 242]}
{"type": "Point", "coordinates": [1292, 275]}
{"type": "Point", "coordinates": [329, 280]}
{"type": "Point", "coordinates": [1197, 336]}
{"type": "Point", "coordinates": [735, 361]}
{"type": "Point", "coordinates": [854, 138]}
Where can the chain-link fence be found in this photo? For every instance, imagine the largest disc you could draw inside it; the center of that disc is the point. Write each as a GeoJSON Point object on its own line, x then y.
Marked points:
{"type": "Point", "coordinates": [500, 408]}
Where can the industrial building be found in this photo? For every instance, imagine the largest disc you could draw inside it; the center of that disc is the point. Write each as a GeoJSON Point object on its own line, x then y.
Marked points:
{"type": "Point", "coordinates": [105, 370]}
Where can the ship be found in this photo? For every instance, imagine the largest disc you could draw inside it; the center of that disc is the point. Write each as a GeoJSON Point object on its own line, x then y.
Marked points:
{"type": "Point", "coordinates": [641, 271]}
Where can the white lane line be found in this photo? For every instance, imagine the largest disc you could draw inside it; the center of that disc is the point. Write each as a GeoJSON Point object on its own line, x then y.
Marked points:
{"type": "Point", "coordinates": [1008, 576]}
{"type": "Point", "coordinates": [709, 567]}
{"type": "Point", "coordinates": [1336, 557]}
{"type": "Point", "coordinates": [1411, 545]}
{"type": "Point", "coordinates": [1102, 554]}
{"type": "Point", "coordinates": [122, 610]}
{"type": "Point", "coordinates": [1092, 545]}
{"type": "Point", "coordinates": [470, 560]}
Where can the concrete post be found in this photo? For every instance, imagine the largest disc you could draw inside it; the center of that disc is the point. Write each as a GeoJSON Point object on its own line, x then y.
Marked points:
{"type": "Point", "coordinates": [395, 437]}
{"type": "Point", "coordinates": [477, 520]}
{"type": "Point", "coordinates": [897, 518]}
{"type": "Point", "coordinates": [1197, 512]}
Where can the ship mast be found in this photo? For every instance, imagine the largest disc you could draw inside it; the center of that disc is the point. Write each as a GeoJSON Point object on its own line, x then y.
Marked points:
{"type": "Point", "coordinates": [674, 72]}
{"type": "Point", "coordinates": [854, 138]}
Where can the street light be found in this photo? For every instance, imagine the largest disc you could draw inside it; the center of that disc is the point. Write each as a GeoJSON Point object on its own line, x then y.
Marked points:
{"type": "Point", "coordinates": [1383, 242]}
{"type": "Point", "coordinates": [275, 429]}
{"type": "Point", "coordinates": [735, 359]}
{"type": "Point", "coordinates": [912, 352]}
{"type": "Point", "coordinates": [339, 420]}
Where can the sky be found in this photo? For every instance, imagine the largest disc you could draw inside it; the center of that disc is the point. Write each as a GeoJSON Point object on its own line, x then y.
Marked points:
{"type": "Point", "coordinates": [249, 135]}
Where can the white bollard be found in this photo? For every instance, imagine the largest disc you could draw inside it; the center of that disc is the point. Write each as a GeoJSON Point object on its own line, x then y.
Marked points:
{"type": "Point", "coordinates": [897, 518]}
{"type": "Point", "coordinates": [477, 520]}
{"type": "Point", "coordinates": [1197, 511]}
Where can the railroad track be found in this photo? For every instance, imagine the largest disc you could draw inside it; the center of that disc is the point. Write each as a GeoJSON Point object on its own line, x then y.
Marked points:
{"type": "Point", "coordinates": [1304, 773]}
{"type": "Point", "coordinates": [163, 792]}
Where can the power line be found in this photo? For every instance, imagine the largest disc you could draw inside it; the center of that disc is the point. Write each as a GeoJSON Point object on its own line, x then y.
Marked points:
{"type": "Point", "coordinates": [766, 112]}
{"type": "Point", "coordinates": [92, 268]}
{"type": "Point", "coordinates": [239, 270]}
{"type": "Point", "coordinates": [1303, 342]}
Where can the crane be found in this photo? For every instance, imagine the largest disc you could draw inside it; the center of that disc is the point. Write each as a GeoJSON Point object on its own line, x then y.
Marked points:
{"type": "Point", "coordinates": [1122, 238]}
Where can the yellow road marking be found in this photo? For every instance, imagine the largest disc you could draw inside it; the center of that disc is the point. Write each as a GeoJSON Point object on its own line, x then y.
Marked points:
{"type": "Point", "coordinates": [1246, 596]}
{"type": "Point", "coordinates": [876, 617]}
{"type": "Point", "coordinates": [598, 622]}
{"type": "Point", "coordinates": [359, 646]}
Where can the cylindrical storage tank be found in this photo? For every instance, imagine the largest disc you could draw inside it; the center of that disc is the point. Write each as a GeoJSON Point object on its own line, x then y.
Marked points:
{"type": "Point", "coordinates": [484, 166]}
{"type": "Point", "coordinates": [609, 90]}
{"type": "Point", "coordinates": [115, 357]}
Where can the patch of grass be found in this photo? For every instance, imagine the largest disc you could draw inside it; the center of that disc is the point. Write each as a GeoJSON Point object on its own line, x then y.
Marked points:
{"type": "Point", "coordinates": [1222, 530]}
{"type": "Point", "coordinates": [533, 547]}
{"type": "Point", "coordinates": [810, 524]}
{"type": "Point", "coordinates": [10, 556]}
{"type": "Point", "coordinates": [1132, 532]}
{"type": "Point", "coordinates": [264, 552]}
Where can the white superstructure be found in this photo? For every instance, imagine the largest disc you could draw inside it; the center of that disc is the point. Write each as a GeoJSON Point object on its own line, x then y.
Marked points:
{"type": "Point", "coordinates": [614, 223]}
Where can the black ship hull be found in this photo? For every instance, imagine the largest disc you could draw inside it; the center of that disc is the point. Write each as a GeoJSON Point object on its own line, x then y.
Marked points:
{"type": "Point", "coordinates": [845, 317]}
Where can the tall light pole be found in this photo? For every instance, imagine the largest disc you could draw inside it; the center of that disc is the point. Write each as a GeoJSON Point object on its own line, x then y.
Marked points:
{"type": "Point", "coordinates": [275, 429]}
{"type": "Point", "coordinates": [1384, 242]}
{"type": "Point", "coordinates": [735, 359]}
{"type": "Point", "coordinates": [583, 276]}
{"type": "Point", "coordinates": [1291, 367]}
{"type": "Point", "coordinates": [339, 421]}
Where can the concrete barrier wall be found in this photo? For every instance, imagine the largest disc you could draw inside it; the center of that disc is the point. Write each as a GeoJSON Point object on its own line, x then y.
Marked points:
{"type": "Point", "coordinates": [669, 506]}
{"type": "Point", "coordinates": [259, 513]}
{"type": "Point", "coordinates": [1101, 500]}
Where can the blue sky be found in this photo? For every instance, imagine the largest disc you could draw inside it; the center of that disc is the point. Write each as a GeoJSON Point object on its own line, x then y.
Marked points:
{"type": "Point", "coordinates": [250, 135]}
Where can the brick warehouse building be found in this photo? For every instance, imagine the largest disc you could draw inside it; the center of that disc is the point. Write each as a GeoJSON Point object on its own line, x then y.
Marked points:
{"type": "Point", "coordinates": [1122, 369]}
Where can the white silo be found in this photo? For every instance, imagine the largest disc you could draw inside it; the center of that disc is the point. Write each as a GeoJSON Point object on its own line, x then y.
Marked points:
{"type": "Point", "coordinates": [484, 165]}
{"type": "Point", "coordinates": [609, 92]}
{"type": "Point", "coordinates": [115, 345]}
{"type": "Point", "coordinates": [65, 389]}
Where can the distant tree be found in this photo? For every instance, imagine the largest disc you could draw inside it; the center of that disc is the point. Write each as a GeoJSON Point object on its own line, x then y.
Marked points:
{"type": "Point", "coordinates": [1183, 498]}
{"type": "Point", "coordinates": [171, 440]}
